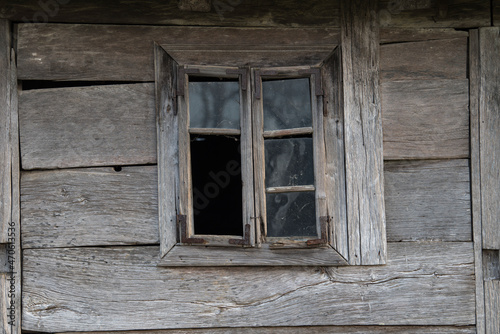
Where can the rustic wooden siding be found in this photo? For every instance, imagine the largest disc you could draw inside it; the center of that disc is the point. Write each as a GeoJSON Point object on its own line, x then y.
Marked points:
{"type": "Point", "coordinates": [5, 143]}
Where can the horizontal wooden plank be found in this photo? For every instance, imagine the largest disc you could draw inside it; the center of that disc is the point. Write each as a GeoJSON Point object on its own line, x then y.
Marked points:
{"type": "Point", "coordinates": [428, 200]}
{"type": "Point", "coordinates": [310, 330]}
{"type": "Point", "coordinates": [87, 126]}
{"type": "Point", "coordinates": [412, 34]}
{"type": "Point", "coordinates": [90, 289]}
{"type": "Point", "coordinates": [427, 13]}
{"type": "Point", "coordinates": [434, 59]}
{"type": "Point", "coordinates": [425, 119]}
{"type": "Point", "coordinates": [126, 52]}
{"type": "Point", "coordinates": [223, 12]}
{"type": "Point", "coordinates": [95, 206]}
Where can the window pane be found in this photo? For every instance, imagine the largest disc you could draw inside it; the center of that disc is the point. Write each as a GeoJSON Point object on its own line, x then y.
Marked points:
{"type": "Point", "coordinates": [214, 104]}
{"type": "Point", "coordinates": [289, 162]}
{"type": "Point", "coordinates": [291, 214]}
{"type": "Point", "coordinates": [217, 186]}
{"type": "Point", "coordinates": [286, 103]}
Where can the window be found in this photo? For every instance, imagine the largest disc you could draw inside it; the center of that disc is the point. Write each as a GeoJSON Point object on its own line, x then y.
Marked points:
{"type": "Point", "coordinates": [250, 170]}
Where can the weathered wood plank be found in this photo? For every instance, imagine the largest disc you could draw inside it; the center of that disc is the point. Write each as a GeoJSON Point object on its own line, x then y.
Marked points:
{"type": "Point", "coordinates": [412, 34]}
{"type": "Point", "coordinates": [492, 301]}
{"type": "Point", "coordinates": [428, 200]}
{"type": "Point", "coordinates": [310, 330]}
{"type": "Point", "coordinates": [363, 133]}
{"type": "Point", "coordinates": [496, 13]}
{"type": "Point", "coordinates": [427, 13]}
{"type": "Point", "coordinates": [474, 84]}
{"type": "Point", "coordinates": [88, 126]}
{"type": "Point", "coordinates": [434, 59]}
{"type": "Point", "coordinates": [425, 119]}
{"type": "Point", "coordinates": [126, 52]}
{"type": "Point", "coordinates": [69, 289]}
{"type": "Point", "coordinates": [85, 207]}
{"type": "Point", "coordinates": [224, 12]}
{"type": "Point", "coordinates": [489, 117]}
{"type": "Point", "coordinates": [5, 143]}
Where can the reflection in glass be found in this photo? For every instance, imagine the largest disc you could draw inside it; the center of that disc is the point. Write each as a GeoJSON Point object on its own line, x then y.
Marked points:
{"type": "Point", "coordinates": [214, 104]}
{"type": "Point", "coordinates": [291, 214]}
{"type": "Point", "coordinates": [289, 162]}
{"type": "Point", "coordinates": [286, 103]}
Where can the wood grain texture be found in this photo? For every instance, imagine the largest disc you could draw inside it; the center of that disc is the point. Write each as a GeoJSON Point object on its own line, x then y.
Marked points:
{"type": "Point", "coordinates": [413, 34]}
{"type": "Point", "coordinates": [88, 126]}
{"type": "Point", "coordinates": [453, 13]}
{"type": "Point", "coordinates": [310, 330]}
{"type": "Point", "coordinates": [425, 119]}
{"type": "Point", "coordinates": [5, 143]}
{"type": "Point", "coordinates": [89, 207]}
{"type": "Point", "coordinates": [363, 133]}
{"type": "Point", "coordinates": [76, 289]}
{"type": "Point", "coordinates": [126, 52]}
{"type": "Point", "coordinates": [428, 200]}
{"type": "Point", "coordinates": [492, 301]}
{"type": "Point", "coordinates": [489, 133]}
{"type": "Point", "coordinates": [434, 59]}
{"type": "Point", "coordinates": [222, 13]}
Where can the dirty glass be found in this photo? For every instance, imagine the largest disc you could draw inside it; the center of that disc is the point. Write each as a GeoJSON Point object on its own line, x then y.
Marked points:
{"type": "Point", "coordinates": [291, 214]}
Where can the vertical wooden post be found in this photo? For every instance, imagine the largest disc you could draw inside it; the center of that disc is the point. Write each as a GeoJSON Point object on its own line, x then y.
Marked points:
{"type": "Point", "coordinates": [363, 132]}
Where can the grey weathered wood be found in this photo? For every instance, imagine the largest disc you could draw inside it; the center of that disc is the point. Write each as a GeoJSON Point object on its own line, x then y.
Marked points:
{"type": "Point", "coordinates": [333, 127]}
{"type": "Point", "coordinates": [492, 301]}
{"type": "Point", "coordinates": [453, 13]}
{"type": "Point", "coordinates": [425, 119]}
{"type": "Point", "coordinates": [312, 330]}
{"type": "Point", "coordinates": [491, 265]}
{"type": "Point", "coordinates": [489, 134]}
{"type": "Point", "coordinates": [227, 13]}
{"type": "Point", "coordinates": [70, 289]}
{"type": "Point", "coordinates": [413, 34]}
{"type": "Point", "coordinates": [167, 148]}
{"type": "Point", "coordinates": [363, 132]}
{"type": "Point", "coordinates": [474, 86]}
{"type": "Point", "coordinates": [5, 143]}
{"type": "Point", "coordinates": [434, 59]}
{"type": "Point", "coordinates": [126, 52]}
{"type": "Point", "coordinates": [428, 200]}
{"type": "Point", "coordinates": [201, 256]}
{"type": "Point", "coordinates": [88, 126]}
{"type": "Point", "coordinates": [89, 207]}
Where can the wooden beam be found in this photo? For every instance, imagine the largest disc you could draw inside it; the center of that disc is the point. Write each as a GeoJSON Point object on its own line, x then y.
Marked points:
{"type": "Point", "coordinates": [492, 300]}
{"type": "Point", "coordinates": [69, 289]}
{"type": "Point", "coordinates": [412, 34]}
{"type": "Point", "coordinates": [5, 143]}
{"type": "Point", "coordinates": [363, 133]}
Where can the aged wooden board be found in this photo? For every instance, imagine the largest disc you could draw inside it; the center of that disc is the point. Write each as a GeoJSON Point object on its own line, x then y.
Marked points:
{"type": "Point", "coordinates": [496, 13]}
{"type": "Point", "coordinates": [428, 200]}
{"type": "Point", "coordinates": [425, 119]}
{"type": "Point", "coordinates": [429, 13]}
{"type": "Point", "coordinates": [433, 59]}
{"type": "Point", "coordinates": [492, 301]}
{"type": "Point", "coordinates": [94, 206]}
{"type": "Point", "coordinates": [5, 144]}
{"type": "Point", "coordinates": [363, 133]}
{"type": "Point", "coordinates": [76, 289]}
{"type": "Point", "coordinates": [312, 330]}
{"type": "Point", "coordinates": [221, 13]}
{"type": "Point", "coordinates": [489, 134]}
{"type": "Point", "coordinates": [412, 34]}
{"type": "Point", "coordinates": [126, 52]}
{"type": "Point", "coordinates": [88, 126]}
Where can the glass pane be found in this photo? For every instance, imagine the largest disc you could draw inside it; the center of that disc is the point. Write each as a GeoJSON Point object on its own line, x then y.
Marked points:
{"type": "Point", "coordinates": [287, 104]}
{"type": "Point", "coordinates": [214, 104]}
{"type": "Point", "coordinates": [217, 186]}
{"type": "Point", "coordinates": [291, 214]}
{"type": "Point", "coordinates": [289, 162]}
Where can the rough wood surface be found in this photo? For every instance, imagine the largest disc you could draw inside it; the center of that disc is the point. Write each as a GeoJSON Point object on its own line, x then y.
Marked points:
{"type": "Point", "coordinates": [489, 133]}
{"type": "Point", "coordinates": [363, 133]}
{"type": "Point", "coordinates": [5, 143]}
{"type": "Point", "coordinates": [126, 52]}
{"type": "Point", "coordinates": [76, 289]}
{"type": "Point", "coordinates": [428, 200]}
{"type": "Point", "coordinates": [88, 126]}
{"type": "Point", "coordinates": [93, 206]}
{"type": "Point", "coordinates": [310, 330]}
{"type": "Point", "coordinates": [427, 13]}
{"type": "Point", "coordinates": [434, 59]}
{"type": "Point", "coordinates": [222, 12]}
{"type": "Point", "coordinates": [492, 301]}
{"type": "Point", "coordinates": [425, 119]}
{"type": "Point", "coordinates": [412, 34]}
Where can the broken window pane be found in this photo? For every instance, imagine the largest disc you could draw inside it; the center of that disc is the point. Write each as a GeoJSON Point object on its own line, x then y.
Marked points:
{"type": "Point", "coordinates": [289, 162]}
{"type": "Point", "coordinates": [291, 214]}
{"type": "Point", "coordinates": [286, 103]}
{"type": "Point", "coordinates": [214, 104]}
